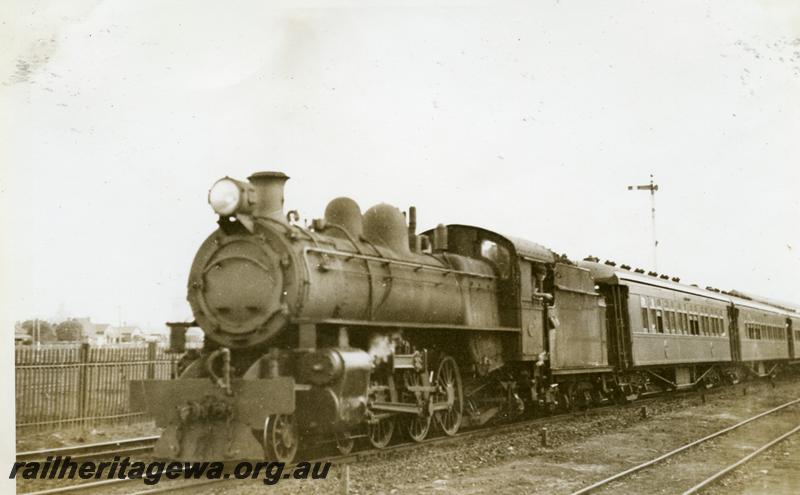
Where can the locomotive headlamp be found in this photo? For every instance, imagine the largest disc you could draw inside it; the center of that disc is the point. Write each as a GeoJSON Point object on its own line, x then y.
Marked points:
{"type": "Point", "coordinates": [228, 196]}
{"type": "Point", "coordinates": [224, 196]}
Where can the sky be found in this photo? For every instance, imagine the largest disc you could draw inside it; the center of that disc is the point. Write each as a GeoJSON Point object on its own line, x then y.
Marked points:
{"type": "Point", "coordinates": [528, 118]}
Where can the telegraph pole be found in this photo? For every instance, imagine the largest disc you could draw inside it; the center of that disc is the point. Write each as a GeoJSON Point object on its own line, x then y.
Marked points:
{"type": "Point", "coordinates": [652, 187]}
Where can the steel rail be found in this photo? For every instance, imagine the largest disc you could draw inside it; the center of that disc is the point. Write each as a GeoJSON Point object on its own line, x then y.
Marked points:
{"type": "Point", "coordinates": [677, 451]}
{"type": "Point", "coordinates": [91, 450]}
{"type": "Point", "coordinates": [740, 462]}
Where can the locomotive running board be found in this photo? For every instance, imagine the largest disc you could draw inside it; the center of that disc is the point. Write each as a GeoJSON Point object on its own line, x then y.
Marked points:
{"type": "Point", "coordinates": [402, 325]}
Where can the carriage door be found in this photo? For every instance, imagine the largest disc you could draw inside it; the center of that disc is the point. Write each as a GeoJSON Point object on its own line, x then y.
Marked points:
{"type": "Point", "coordinates": [733, 330]}
{"type": "Point", "coordinates": [790, 339]}
{"type": "Point", "coordinates": [620, 347]}
{"type": "Point", "coordinates": [532, 307]}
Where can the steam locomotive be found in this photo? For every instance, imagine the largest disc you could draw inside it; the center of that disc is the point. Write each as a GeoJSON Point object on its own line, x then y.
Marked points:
{"type": "Point", "coordinates": [358, 327]}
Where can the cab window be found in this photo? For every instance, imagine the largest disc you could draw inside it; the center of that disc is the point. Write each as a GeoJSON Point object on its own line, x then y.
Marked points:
{"type": "Point", "coordinates": [497, 254]}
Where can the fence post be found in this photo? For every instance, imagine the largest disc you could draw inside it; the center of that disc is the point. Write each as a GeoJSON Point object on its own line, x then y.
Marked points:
{"type": "Point", "coordinates": [83, 382]}
{"type": "Point", "coordinates": [151, 360]}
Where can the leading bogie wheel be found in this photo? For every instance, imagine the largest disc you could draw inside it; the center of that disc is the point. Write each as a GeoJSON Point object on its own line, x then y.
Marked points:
{"type": "Point", "coordinates": [380, 432]}
{"type": "Point", "coordinates": [344, 443]}
{"type": "Point", "coordinates": [448, 380]}
{"type": "Point", "coordinates": [281, 437]}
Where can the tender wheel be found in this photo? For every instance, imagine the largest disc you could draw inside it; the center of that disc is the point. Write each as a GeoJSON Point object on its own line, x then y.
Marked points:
{"type": "Point", "coordinates": [344, 443]}
{"type": "Point", "coordinates": [565, 401]}
{"type": "Point", "coordinates": [448, 379]}
{"type": "Point", "coordinates": [281, 437]}
{"type": "Point", "coordinates": [380, 432]}
{"type": "Point", "coordinates": [582, 396]}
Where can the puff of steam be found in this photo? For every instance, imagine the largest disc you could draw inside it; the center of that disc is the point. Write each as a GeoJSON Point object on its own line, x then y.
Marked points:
{"type": "Point", "coordinates": [381, 347]}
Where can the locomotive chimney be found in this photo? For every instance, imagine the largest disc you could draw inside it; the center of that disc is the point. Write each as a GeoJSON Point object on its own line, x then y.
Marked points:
{"type": "Point", "coordinates": [269, 194]}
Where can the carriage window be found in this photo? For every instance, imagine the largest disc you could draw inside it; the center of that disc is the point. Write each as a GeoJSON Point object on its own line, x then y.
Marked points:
{"type": "Point", "coordinates": [497, 254]}
{"type": "Point", "coordinates": [645, 323]}
{"type": "Point", "coordinates": [659, 321]}
{"type": "Point", "coordinates": [645, 319]}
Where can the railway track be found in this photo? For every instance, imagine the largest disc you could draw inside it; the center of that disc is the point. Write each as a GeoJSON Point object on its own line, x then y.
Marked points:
{"type": "Point", "coordinates": [613, 482]}
{"type": "Point", "coordinates": [366, 455]}
{"type": "Point", "coordinates": [728, 469]}
{"type": "Point", "coordinates": [100, 450]}
{"type": "Point", "coordinates": [128, 446]}
{"type": "Point", "coordinates": [355, 457]}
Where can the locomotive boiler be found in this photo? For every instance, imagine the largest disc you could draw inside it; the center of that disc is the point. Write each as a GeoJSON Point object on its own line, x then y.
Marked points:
{"type": "Point", "coordinates": [334, 331]}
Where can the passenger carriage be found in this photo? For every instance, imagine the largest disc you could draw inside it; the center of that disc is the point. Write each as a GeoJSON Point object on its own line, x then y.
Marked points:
{"type": "Point", "coordinates": [680, 336]}
{"type": "Point", "coordinates": [760, 336]}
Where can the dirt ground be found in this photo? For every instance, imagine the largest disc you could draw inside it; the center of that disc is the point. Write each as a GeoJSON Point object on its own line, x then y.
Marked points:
{"type": "Point", "coordinates": [775, 471]}
{"type": "Point", "coordinates": [575, 464]}
{"type": "Point", "coordinates": [582, 450]}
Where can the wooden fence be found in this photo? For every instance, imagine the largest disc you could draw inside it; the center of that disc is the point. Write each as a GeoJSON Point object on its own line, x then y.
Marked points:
{"type": "Point", "coordinates": [81, 385]}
